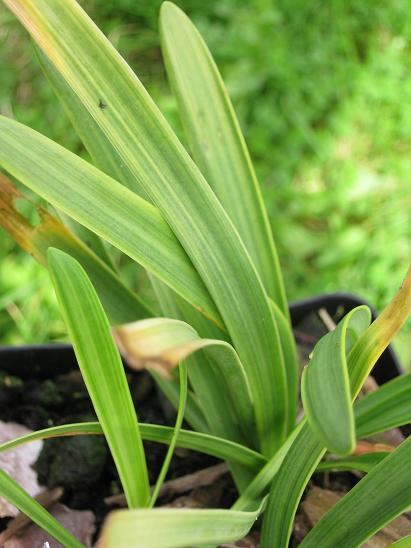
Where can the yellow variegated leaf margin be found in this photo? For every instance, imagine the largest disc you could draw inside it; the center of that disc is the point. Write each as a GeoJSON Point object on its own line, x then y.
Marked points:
{"type": "Point", "coordinates": [404, 542]}
{"type": "Point", "coordinates": [289, 350]}
{"type": "Point", "coordinates": [378, 336]}
{"type": "Point", "coordinates": [164, 170]}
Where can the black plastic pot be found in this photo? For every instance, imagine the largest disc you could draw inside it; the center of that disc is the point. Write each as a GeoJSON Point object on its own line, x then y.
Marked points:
{"type": "Point", "coordinates": [43, 361]}
{"type": "Point", "coordinates": [388, 366]}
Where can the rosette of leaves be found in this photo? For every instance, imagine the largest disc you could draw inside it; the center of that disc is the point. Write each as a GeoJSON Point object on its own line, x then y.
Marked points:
{"type": "Point", "coordinates": [219, 342]}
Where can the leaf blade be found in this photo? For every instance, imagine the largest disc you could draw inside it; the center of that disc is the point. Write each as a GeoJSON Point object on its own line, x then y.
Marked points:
{"type": "Point", "coordinates": [102, 371]}
{"type": "Point", "coordinates": [177, 428]}
{"type": "Point", "coordinates": [175, 528]}
{"type": "Point", "coordinates": [383, 494]}
{"type": "Point", "coordinates": [289, 350]}
{"type": "Point", "coordinates": [325, 385]}
{"type": "Point", "coordinates": [387, 407]}
{"type": "Point", "coordinates": [102, 205]}
{"type": "Point", "coordinates": [11, 491]}
{"type": "Point", "coordinates": [306, 452]}
{"type": "Point", "coordinates": [120, 303]}
{"type": "Point", "coordinates": [363, 463]}
{"type": "Point", "coordinates": [216, 141]}
{"type": "Point", "coordinates": [162, 343]}
{"type": "Point", "coordinates": [164, 170]}
{"type": "Point", "coordinates": [187, 439]}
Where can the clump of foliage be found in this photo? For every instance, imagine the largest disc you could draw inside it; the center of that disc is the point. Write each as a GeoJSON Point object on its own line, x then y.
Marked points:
{"type": "Point", "coordinates": [218, 339]}
{"type": "Point", "coordinates": [322, 105]}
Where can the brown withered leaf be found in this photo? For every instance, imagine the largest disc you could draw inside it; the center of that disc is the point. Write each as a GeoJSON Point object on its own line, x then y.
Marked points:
{"type": "Point", "coordinates": [157, 343]}
{"type": "Point", "coordinates": [35, 239]}
{"type": "Point", "coordinates": [363, 447]}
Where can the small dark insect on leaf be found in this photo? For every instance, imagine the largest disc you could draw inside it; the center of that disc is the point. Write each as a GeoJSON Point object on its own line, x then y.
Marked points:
{"type": "Point", "coordinates": [101, 104]}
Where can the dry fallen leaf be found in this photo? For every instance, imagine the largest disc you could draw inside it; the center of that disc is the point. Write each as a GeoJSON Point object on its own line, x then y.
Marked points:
{"type": "Point", "coordinates": [81, 523]}
{"type": "Point", "coordinates": [17, 463]}
{"type": "Point", "coordinates": [21, 521]}
{"type": "Point", "coordinates": [318, 501]}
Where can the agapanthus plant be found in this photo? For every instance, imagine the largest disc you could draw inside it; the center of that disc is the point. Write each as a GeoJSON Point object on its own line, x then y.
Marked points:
{"type": "Point", "coordinates": [222, 347]}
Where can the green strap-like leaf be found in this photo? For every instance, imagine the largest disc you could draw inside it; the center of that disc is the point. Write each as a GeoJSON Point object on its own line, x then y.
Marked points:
{"type": "Point", "coordinates": [177, 427]}
{"type": "Point", "coordinates": [216, 142]}
{"type": "Point", "coordinates": [163, 169]}
{"type": "Point", "coordinates": [306, 452]}
{"type": "Point", "coordinates": [99, 146]}
{"type": "Point", "coordinates": [119, 302]}
{"type": "Point", "coordinates": [89, 238]}
{"type": "Point", "coordinates": [106, 158]}
{"type": "Point", "coordinates": [204, 378]}
{"type": "Point", "coordinates": [11, 491]}
{"type": "Point", "coordinates": [363, 463]}
{"type": "Point", "coordinates": [175, 527]}
{"type": "Point", "coordinates": [93, 140]}
{"type": "Point", "coordinates": [387, 407]}
{"type": "Point", "coordinates": [289, 350]}
{"type": "Point", "coordinates": [378, 336]}
{"type": "Point", "coordinates": [377, 499]}
{"type": "Point", "coordinates": [204, 443]}
{"type": "Point", "coordinates": [288, 486]}
{"type": "Point", "coordinates": [261, 481]}
{"type": "Point", "coordinates": [193, 415]}
{"type": "Point", "coordinates": [207, 380]}
{"type": "Point", "coordinates": [103, 373]}
{"type": "Point", "coordinates": [103, 205]}
{"type": "Point", "coordinates": [325, 385]}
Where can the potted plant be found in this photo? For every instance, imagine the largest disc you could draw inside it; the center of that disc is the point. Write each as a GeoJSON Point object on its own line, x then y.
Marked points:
{"type": "Point", "coordinates": [219, 344]}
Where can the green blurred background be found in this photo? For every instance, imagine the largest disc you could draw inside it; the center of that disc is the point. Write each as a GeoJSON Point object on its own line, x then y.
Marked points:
{"type": "Point", "coordinates": [323, 93]}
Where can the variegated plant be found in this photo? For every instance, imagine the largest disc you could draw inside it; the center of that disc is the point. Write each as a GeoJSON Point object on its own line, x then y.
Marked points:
{"type": "Point", "coordinates": [195, 220]}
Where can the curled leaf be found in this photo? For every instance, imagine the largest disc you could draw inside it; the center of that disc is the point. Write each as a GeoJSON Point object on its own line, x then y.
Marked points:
{"type": "Point", "coordinates": [162, 343]}
{"type": "Point", "coordinates": [157, 343]}
{"type": "Point", "coordinates": [325, 389]}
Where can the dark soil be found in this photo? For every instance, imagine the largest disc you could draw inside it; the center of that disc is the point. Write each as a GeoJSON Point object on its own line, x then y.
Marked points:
{"type": "Point", "coordinates": [82, 465]}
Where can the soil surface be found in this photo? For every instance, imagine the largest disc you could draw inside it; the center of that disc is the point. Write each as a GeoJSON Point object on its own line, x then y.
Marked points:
{"type": "Point", "coordinates": [82, 465]}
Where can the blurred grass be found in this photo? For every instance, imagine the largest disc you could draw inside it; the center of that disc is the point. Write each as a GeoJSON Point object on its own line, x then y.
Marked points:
{"type": "Point", "coordinates": [323, 94]}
